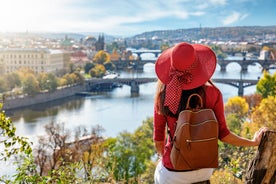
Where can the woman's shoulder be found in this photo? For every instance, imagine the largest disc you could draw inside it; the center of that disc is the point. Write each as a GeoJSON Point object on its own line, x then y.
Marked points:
{"type": "Point", "coordinates": [212, 90]}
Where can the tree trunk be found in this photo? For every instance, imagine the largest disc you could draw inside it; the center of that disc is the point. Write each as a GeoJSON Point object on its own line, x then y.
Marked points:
{"type": "Point", "coordinates": [262, 169]}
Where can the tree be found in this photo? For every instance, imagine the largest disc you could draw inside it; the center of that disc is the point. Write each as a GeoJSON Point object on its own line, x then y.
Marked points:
{"type": "Point", "coordinates": [30, 84]}
{"type": "Point", "coordinates": [266, 86]}
{"type": "Point", "coordinates": [109, 66]}
{"type": "Point", "coordinates": [219, 52]}
{"type": "Point", "coordinates": [237, 105]}
{"type": "Point", "coordinates": [253, 100]}
{"type": "Point", "coordinates": [98, 71]}
{"type": "Point", "coordinates": [9, 141]}
{"type": "Point", "coordinates": [88, 66]}
{"type": "Point", "coordinates": [3, 86]}
{"type": "Point", "coordinates": [130, 154]}
{"type": "Point", "coordinates": [12, 80]}
{"type": "Point", "coordinates": [101, 57]}
{"type": "Point", "coordinates": [47, 81]}
{"type": "Point", "coordinates": [264, 115]}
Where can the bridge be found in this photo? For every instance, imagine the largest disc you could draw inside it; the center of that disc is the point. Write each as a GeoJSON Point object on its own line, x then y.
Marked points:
{"type": "Point", "coordinates": [245, 63]}
{"type": "Point", "coordinates": [139, 64]}
{"type": "Point", "coordinates": [97, 84]}
{"type": "Point", "coordinates": [140, 52]}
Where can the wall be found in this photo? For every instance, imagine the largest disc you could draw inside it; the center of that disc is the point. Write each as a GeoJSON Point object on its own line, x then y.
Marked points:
{"type": "Point", "coordinates": [42, 97]}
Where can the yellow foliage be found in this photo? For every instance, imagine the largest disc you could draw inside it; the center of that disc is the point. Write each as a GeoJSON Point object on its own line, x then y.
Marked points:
{"type": "Point", "coordinates": [266, 48]}
{"type": "Point", "coordinates": [101, 57]}
{"type": "Point", "coordinates": [225, 177]}
{"type": "Point", "coordinates": [237, 105]}
{"type": "Point", "coordinates": [265, 114]}
{"type": "Point", "coordinates": [85, 157]}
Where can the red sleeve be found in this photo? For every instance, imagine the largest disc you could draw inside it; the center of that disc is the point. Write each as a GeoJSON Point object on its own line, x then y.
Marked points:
{"type": "Point", "coordinates": [159, 126]}
{"type": "Point", "coordinates": [218, 108]}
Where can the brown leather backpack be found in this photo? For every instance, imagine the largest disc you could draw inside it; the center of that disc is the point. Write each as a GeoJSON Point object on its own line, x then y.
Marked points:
{"type": "Point", "coordinates": [195, 141]}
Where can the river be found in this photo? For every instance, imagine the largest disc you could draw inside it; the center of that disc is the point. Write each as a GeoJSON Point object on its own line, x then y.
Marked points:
{"type": "Point", "coordinates": [115, 111]}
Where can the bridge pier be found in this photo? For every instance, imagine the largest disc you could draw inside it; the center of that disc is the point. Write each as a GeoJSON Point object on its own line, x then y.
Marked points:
{"type": "Point", "coordinates": [240, 89]}
{"type": "Point", "coordinates": [134, 89]}
{"type": "Point", "coordinates": [223, 68]}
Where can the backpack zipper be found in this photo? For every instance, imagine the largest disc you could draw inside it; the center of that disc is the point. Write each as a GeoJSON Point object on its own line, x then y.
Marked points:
{"type": "Point", "coordinates": [188, 141]}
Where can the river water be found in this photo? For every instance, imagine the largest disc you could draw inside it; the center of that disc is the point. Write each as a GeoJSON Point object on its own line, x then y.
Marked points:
{"type": "Point", "coordinates": [115, 111]}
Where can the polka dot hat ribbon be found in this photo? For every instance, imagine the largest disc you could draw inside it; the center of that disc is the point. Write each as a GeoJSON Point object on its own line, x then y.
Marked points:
{"type": "Point", "coordinates": [174, 88]}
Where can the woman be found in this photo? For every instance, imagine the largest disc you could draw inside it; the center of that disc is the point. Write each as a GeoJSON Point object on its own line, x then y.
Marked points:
{"type": "Point", "coordinates": [183, 70]}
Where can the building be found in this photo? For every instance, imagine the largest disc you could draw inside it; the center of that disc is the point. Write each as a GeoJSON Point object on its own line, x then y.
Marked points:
{"type": "Point", "coordinates": [39, 60]}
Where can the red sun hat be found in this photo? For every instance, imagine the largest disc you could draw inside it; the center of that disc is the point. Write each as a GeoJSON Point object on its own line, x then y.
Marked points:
{"type": "Point", "coordinates": [182, 67]}
{"type": "Point", "coordinates": [193, 63]}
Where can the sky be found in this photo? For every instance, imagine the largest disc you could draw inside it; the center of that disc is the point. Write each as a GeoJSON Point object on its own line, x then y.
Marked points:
{"type": "Point", "coordinates": [131, 17]}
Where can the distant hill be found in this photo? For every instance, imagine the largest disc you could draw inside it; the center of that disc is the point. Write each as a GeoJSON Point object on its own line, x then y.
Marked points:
{"type": "Point", "coordinates": [242, 33]}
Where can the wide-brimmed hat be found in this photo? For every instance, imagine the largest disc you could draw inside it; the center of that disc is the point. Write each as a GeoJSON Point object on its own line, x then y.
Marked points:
{"type": "Point", "coordinates": [182, 67]}
{"type": "Point", "coordinates": [193, 63]}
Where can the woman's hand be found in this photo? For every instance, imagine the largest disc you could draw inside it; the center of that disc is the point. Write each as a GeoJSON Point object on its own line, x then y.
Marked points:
{"type": "Point", "coordinates": [258, 136]}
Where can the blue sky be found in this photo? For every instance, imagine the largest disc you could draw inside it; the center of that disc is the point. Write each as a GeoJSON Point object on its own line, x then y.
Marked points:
{"type": "Point", "coordinates": [130, 17]}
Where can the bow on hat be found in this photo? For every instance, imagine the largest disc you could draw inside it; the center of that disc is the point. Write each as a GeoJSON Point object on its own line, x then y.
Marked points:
{"type": "Point", "coordinates": [174, 88]}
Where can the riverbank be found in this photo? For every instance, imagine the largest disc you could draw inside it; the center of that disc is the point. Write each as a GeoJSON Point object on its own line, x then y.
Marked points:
{"type": "Point", "coordinates": [18, 102]}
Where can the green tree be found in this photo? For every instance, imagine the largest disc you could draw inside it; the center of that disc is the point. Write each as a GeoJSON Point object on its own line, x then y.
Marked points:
{"type": "Point", "coordinates": [3, 85]}
{"type": "Point", "coordinates": [30, 84]}
{"type": "Point", "coordinates": [52, 82]}
{"type": "Point", "coordinates": [10, 143]}
{"type": "Point", "coordinates": [219, 52]}
{"type": "Point", "coordinates": [13, 80]}
{"type": "Point", "coordinates": [267, 85]}
{"type": "Point", "coordinates": [130, 154]}
{"type": "Point", "coordinates": [47, 81]}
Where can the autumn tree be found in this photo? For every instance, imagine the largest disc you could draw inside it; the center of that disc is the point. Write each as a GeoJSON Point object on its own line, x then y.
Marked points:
{"type": "Point", "coordinates": [253, 100]}
{"type": "Point", "coordinates": [98, 71]}
{"type": "Point", "coordinates": [88, 66]}
{"type": "Point", "coordinates": [236, 110]}
{"type": "Point", "coordinates": [101, 57]}
{"type": "Point", "coordinates": [264, 115]}
{"type": "Point", "coordinates": [266, 86]}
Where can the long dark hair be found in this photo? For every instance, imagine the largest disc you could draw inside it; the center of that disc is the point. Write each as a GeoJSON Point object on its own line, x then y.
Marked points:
{"type": "Point", "coordinates": [160, 98]}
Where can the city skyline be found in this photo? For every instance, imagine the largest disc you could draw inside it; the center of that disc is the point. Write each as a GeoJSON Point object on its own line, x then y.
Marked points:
{"type": "Point", "coordinates": [127, 18]}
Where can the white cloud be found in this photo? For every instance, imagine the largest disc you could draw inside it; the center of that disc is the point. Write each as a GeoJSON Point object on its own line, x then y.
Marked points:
{"type": "Point", "coordinates": [110, 16]}
{"type": "Point", "coordinates": [234, 17]}
{"type": "Point", "coordinates": [218, 2]}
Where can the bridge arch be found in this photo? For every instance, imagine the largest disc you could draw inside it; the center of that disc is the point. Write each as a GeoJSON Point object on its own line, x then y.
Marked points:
{"type": "Point", "coordinates": [233, 66]}
{"type": "Point", "coordinates": [148, 55]}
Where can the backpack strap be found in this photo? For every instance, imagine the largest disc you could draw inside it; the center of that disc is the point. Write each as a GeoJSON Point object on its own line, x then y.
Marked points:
{"type": "Point", "coordinates": [187, 107]}
{"type": "Point", "coordinates": [200, 100]}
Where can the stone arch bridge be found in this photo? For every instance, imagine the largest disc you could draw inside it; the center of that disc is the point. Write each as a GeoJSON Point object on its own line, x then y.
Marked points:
{"type": "Point", "coordinates": [98, 84]}
{"type": "Point", "coordinates": [139, 64]}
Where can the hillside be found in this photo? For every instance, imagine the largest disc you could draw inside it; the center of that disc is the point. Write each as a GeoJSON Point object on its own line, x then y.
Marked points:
{"type": "Point", "coordinates": [244, 33]}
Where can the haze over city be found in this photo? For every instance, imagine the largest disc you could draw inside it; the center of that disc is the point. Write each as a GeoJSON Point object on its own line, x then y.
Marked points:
{"type": "Point", "coordinates": [127, 18]}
